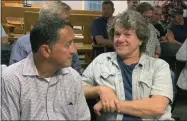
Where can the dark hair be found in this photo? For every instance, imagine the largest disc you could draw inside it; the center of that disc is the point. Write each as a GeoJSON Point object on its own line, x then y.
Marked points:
{"type": "Point", "coordinates": [108, 2]}
{"type": "Point", "coordinates": [46, 32]}
{"type": "Point", "coordinates": [128, 20]}
{"type": "Point", "coordinates": [143, 7]}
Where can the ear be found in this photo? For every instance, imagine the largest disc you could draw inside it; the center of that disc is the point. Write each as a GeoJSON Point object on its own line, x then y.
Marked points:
{"type": "Point", "coordinates": [140, 43]}
{"type": "Point", "coordinates": [45, 50]}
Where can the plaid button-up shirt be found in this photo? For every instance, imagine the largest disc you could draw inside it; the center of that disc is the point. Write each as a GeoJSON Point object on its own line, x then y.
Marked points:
{"type": "Point", "coordinates": [153, 41]}
{"type": "Point", "coordinates": [28, 96]}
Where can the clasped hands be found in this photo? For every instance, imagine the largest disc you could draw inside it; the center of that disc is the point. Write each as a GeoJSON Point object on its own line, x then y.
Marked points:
{"type": "Point", "coordinates": [108, 101]}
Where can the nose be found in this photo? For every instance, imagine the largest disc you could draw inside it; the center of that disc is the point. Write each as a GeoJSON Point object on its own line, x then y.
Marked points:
{"type": "Point", "coordinates": [121, 38]}
{"type": "Point", "coordinates": [105, 11]}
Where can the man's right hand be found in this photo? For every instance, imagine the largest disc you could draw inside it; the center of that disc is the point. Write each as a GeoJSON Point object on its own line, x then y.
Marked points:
{"type": "Point", "coordinates": [98, 108]}
{"type": "Point", "coordinates": [108, 99]}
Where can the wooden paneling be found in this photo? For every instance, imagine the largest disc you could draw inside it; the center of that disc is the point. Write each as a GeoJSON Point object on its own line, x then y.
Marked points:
{"type": "Point", "coordinates": [5, 2]}
{"type": "Point", "coordinates": [87, 12]}
{"type": "Point", "coordinates": [84, 22]}
{"type": "Point", "coordinates": [30, 18]}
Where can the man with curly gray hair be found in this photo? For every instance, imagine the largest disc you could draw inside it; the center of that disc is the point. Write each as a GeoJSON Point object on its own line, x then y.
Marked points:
{"type": "Point", "coordinates": [129, 84]}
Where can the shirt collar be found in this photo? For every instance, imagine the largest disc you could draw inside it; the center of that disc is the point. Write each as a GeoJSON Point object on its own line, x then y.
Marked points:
{"type": "Point", "coordinates": [29, 68]}
{"type": "Point", "coordinates": [113, 58]}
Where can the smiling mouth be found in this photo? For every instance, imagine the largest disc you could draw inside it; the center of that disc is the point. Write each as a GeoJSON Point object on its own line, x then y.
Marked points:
{"type": "Point", "coordinates": [120, 45]}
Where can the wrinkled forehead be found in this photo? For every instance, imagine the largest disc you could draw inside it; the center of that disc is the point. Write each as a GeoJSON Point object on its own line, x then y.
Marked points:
{"type": "Point", "coordinates": [119, 27]}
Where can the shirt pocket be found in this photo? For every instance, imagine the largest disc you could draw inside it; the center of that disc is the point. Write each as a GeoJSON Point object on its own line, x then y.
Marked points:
{"type": "Point", "coordinates": [66, 110]}
{"type": "Point", "coordinates": [65, 107]}
{"type": "Point", "coordinates": [107, 79]}
{"type": "Point", "coordinates": [145, 85]}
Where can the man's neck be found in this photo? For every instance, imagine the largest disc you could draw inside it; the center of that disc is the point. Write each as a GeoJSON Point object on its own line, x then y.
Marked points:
{"type": "Point", "coordinates": [131, 59]}
{"type": "Point", "coordinates": [44, 69]}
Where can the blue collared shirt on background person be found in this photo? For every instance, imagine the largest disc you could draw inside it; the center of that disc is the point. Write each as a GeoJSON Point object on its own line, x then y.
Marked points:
{"type": "Point", "coordinates": [2, 32]}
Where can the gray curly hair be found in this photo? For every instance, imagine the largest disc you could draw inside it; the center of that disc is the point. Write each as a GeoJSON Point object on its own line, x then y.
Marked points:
{"type": "Point", "coordinates": [131, 20]}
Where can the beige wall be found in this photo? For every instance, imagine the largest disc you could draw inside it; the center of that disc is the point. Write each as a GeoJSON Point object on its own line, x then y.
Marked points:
{"type": "Point", "coordinates": [75, 5]}
{"type": "Point", "coordinates": [119, 6]}
{"type": "Point", "coordinates": [80, 5]}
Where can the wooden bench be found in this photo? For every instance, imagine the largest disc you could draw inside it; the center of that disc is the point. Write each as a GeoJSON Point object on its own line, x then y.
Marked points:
{"type": "Point", "coordinates": [87, 12]}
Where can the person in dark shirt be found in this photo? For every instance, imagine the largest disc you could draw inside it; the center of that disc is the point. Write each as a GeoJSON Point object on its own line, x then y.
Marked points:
{"type": "Point", "coordinates": [177, 29]}
{"type": "Point", "coordinates": [100, 25]}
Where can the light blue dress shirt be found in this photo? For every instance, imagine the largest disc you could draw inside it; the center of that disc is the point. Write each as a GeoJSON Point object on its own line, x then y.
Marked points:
{"type": "Point", "coordinates": [2, 31]}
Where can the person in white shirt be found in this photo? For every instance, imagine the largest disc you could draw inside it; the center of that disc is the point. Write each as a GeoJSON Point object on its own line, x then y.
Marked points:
{"type": "Point", "coordinates": [182, 56]}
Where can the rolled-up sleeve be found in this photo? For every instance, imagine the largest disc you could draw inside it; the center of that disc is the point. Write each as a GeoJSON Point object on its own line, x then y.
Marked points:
{"type": "Point", "coordinates": [162, 82]}
{"type": "Point", "coordinates": [2, 32]}
{"type": "Point", "coordinates": [88, 75]}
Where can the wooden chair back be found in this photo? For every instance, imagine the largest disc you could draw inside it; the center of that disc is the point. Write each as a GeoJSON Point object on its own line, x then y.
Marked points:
{"type": "Point", "coordinates": [84, 22]}
{"type": "Point", "coordinates": [13, 4]}
{"type": "Point", "coordinates": [30, 19]}
{"type": "Point", "coordinates": [87, 12]}
{"type": "Point", "coordinates": [33, 9]}
{"type": "Point", "coordinates": [11, 13]}
{"type": "Point", "coordinates": [10, 2]}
